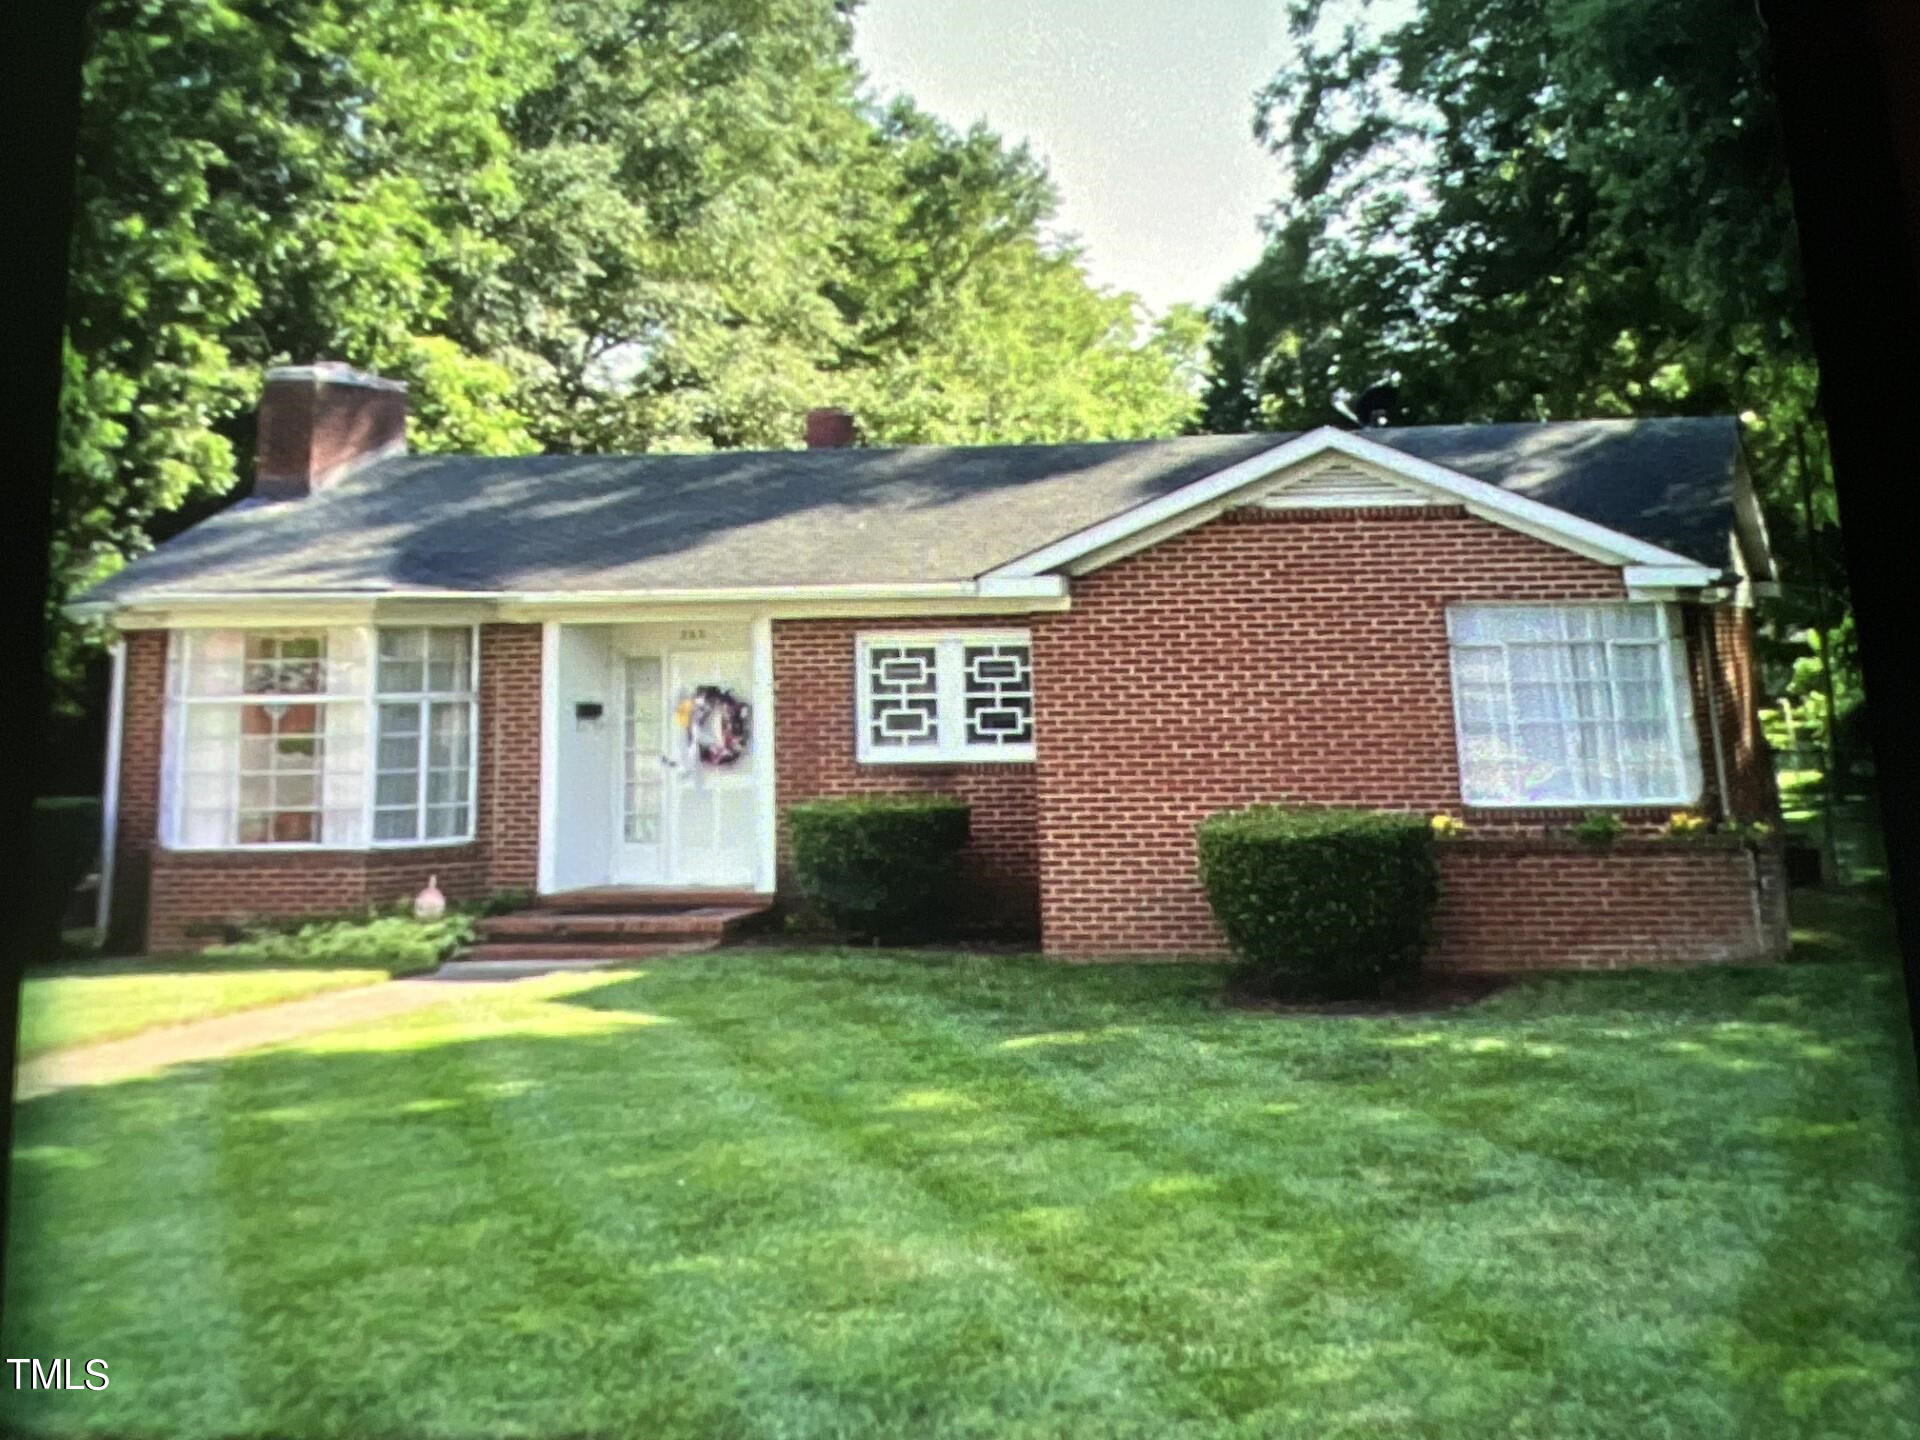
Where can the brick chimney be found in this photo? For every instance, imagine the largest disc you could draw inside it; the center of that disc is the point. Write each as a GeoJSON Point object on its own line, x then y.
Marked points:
{"type": "Point", "coordinates": [320, 423]}
{"type": "Point", "coordinates": [829, 429]}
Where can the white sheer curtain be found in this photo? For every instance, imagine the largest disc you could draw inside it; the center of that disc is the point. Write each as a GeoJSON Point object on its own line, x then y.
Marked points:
{"type": "Point", "coordinates": [272, 747]}
{"type": "Point", "coordinates": [1573, 704]}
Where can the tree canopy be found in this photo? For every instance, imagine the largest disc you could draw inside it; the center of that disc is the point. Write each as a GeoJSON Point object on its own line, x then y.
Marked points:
{"type": "Point", "coordinates": [569, 225]}
{"type": "Point", "coordinates": [1537, 209]}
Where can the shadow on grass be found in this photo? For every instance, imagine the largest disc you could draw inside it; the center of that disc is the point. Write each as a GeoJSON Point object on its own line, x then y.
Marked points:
{"type": "Point", "coordinates": [843, 1193]}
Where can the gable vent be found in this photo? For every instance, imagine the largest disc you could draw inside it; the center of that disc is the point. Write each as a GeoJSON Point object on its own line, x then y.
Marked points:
{"type": "Point", "coordinates": [1341, 487]}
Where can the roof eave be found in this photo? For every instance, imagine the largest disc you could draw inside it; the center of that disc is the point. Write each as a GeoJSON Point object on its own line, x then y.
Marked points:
{"type": "Point", "coordinates": [279, 604]}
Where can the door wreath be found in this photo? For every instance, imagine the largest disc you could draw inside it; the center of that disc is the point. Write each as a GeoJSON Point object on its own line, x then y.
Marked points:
{"type": "Point", "coordinates": [715, 725]}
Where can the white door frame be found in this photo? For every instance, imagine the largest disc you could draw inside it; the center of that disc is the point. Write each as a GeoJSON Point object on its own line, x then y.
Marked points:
{"type": "Point", "coordinates": [760, 656]}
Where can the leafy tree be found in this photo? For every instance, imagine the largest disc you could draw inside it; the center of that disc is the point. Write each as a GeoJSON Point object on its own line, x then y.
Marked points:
{"type": "Point", "coordinates": [1535, 209]}
{"type": "Point", "coordinates": [569, 225]}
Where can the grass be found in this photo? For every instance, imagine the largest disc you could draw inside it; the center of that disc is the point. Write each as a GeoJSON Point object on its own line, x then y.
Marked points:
{"type": "Point", "coordinates": [83, 1001]}
{"type": "Point", "coordinates": [822, 1193]}
{"type": "Point", "coordinates": [1859, 845]}
{"type": "Point", "coordinates": [89, 1001]}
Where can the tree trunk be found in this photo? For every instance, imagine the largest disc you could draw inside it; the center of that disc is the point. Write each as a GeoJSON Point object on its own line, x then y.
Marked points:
{"type": "Point", "coordinates": [1822, 634]}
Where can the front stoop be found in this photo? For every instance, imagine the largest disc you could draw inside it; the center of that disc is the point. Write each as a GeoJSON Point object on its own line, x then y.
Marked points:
{"type": "Point", "coordinates": [611, 926]}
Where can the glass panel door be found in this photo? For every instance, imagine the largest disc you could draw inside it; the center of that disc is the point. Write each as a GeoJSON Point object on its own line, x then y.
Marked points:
{"type": "Point", "coordinates": [639, 839]}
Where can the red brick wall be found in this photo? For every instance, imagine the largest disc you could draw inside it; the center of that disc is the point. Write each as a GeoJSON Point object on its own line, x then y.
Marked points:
{"type": "Point", "coordinates": [167, 900]}
{"type": "Point", "coordinates": [138, 824]}
{"type": "Point", "coordinates": [1531, 905]}
{"type": "Point", "coordinates": [1265, 656]}
{"type": "Point", "coordinates": [1749, 761]}
{"type": "Point", "coordinates": [814, 681]}
{"type": "Point", "coordinates": [509, 759]}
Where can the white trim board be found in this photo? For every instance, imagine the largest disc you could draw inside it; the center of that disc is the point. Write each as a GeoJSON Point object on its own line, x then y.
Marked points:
{"type": "Point", "coordinates": [159, 610]}
{"type": "Point", "coordinates": [1203, 499]}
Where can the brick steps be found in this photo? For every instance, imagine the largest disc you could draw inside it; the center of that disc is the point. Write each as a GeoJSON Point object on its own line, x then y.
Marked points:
{"type": "Point", "coordinates": [617, 925]}
{"type": "Point", "coordinates": [709, 922]}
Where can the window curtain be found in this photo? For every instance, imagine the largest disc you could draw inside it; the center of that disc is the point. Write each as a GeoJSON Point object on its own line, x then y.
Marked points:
{"type": "Point", "coordinates": [1573, 704]}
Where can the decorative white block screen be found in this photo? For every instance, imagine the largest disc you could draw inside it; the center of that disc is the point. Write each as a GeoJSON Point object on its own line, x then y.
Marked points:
{"type": "Point", "coordinates": [1573, 705]}
{"type": "Point", "coordinates": [268, 737]}
{"type": "Point", "coordinates": [945, 697]}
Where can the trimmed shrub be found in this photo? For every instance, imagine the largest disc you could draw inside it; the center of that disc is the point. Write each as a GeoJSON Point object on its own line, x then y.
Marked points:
{"type": "Point", "coordinates": [879, 866]}
{"type": "Point", "coordinates": [398, 944]}
{"type": "Point", "coordinates": [1599, 828]}
{"type": "Point", "coordinates": [65, 850]}
{"type": "Point", "coordinates": [1331, 902]}
{"type": "Point", "coordinates": [504, 902]}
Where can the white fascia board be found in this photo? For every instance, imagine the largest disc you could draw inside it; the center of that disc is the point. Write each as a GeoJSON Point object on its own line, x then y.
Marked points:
{"type": "Point", "coordinates": [160, 609]}
{"type": "Point", "coordinates": [1199, 501]}
{"type": "Point", "coordinates": [1689, 576]}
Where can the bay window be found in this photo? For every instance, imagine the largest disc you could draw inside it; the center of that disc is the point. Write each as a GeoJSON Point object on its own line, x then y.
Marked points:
{"type": "Point", "coordinates": [335, 737]}
{"type": "Point", "coordinates": [1573, 705]}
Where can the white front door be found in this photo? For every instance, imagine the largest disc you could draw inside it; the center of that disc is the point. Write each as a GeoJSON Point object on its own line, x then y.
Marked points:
{"type": "Point", "coordinates": [679, 820]}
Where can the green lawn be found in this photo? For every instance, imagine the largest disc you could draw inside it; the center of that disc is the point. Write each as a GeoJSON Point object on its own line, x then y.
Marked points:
{"type": "Point", "coordinates": [85, 1001]}
{"type": "Point", "coordinates": [78, 1001]}
{"type": "Point", "coordinates": [859, 1194]}
{"type": "Point", "coordinates": [1859, 845]}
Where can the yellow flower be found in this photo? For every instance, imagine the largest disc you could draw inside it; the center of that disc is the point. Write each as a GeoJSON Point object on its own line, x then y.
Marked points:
{"type": "Point", "coordinates": [1447, 825]}
{"type": "Point", "coordinates": [1685, 822]}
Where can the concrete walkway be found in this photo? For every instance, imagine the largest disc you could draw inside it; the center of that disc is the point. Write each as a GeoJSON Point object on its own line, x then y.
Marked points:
{"type": "Point", "coordinates": [222, 1035]}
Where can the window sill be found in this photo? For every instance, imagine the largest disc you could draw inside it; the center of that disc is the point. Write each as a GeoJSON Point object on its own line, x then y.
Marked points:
{"type": "Point", "coordinates": [999, 762]}
{"type": "Point", "coordinates": [1655, 810]}
{"type": "Point", "coordinates": [1013, 755]}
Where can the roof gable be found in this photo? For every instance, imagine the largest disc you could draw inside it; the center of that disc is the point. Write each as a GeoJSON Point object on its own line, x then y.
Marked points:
{"type": "Point", "coordinates": [1337, 482]}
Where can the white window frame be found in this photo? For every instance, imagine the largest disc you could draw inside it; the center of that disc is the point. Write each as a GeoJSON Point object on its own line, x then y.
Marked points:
{"type": "Point", "coordinates": [1675, 672]}
{"type": "Point", "coordinates": [177, 700]}
{"type": "Point", "coordinates": [950, 699]}
{"type": "Point", "coordinates": [423, 702]}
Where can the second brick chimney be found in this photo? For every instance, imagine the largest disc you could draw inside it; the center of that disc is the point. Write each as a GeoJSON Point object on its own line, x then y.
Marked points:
{"type": "Point", "coordinates": [320, 423]}
{"type": "Point", "coordinates": [829, 429]}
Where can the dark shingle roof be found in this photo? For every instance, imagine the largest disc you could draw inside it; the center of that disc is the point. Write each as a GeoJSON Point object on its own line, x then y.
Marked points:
{"type": "Point", "coordinates": [813, 517]}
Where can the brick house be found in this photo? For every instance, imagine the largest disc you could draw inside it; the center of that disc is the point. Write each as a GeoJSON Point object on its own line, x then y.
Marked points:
{"type": "Point", "coordinates": [381, 667]}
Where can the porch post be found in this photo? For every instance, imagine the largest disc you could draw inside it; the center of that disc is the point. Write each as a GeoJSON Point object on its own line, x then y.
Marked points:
{"type": "Point", "coordinates": [763, 740]}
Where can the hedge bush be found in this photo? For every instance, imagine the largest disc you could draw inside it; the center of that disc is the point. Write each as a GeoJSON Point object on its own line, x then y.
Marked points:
{"type": "Point", "coordinates": [880, 866]}
{"type": "Point", "coordinates": [65, 847]}
{"type": "Point", "coordinates": [396, 943]}
{"type": "Point", "coordinates": [1336, 902]}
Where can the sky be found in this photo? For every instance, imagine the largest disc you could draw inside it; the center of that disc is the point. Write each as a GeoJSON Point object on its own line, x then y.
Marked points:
{"type": "Point", "coordinates": [1142, 110]}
